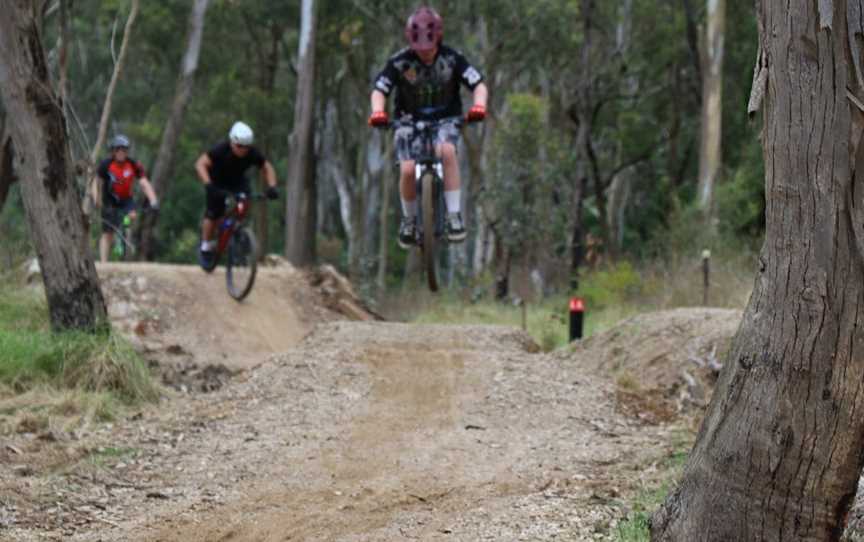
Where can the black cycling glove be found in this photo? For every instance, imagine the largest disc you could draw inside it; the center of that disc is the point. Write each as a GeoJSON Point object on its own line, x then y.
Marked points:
{"type": "Point", "coordinates": [272, 193]}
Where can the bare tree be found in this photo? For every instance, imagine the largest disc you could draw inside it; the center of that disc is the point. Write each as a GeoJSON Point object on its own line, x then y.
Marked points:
{"type": "Point", "coordinates": [55, 220]}
{"type": "Point", "coordinates": [163, 169]}
{"type": "Point", "coordinates": [779, 454]}
{"type": "Point", "coordinates": [109, 100]}
{"type": "Point", "coordinates": [300, 208]}
{"type": "Point", "coordinates": [710, 157]}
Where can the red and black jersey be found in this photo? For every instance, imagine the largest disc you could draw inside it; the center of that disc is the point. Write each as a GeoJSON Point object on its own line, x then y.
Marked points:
{"type": "Point", "coordinates": [119, 177]}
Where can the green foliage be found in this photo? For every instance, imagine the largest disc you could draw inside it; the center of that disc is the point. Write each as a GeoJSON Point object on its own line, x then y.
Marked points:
{"type": "Point", "coordinates": [617, 285]}
{"type": "Point", "coordinates": [741, 199]}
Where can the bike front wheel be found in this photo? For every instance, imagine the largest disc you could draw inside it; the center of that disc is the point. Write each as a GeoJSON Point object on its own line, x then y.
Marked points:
{"type": "Point", "coordinates": [429, 215]}
{"type": "Point", "coordinates": [242, 263]}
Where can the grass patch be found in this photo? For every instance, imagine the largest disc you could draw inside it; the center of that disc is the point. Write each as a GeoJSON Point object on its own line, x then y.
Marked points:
{"type": "Point", "coordinates": [31, 356]}
{"type": "Point", "coordinates": [634, 527]}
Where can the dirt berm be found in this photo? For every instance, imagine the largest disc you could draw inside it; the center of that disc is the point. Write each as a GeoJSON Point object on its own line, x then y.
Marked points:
{"type": "Point", "coordinates": [184, 321]}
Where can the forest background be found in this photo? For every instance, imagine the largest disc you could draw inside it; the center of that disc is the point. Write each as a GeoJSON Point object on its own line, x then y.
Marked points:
{"type": "Point", "coordinates": [591, 154]}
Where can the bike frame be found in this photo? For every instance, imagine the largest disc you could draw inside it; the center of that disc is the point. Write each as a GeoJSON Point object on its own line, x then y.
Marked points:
{"type": "Point", "coordinates": [233, 219]}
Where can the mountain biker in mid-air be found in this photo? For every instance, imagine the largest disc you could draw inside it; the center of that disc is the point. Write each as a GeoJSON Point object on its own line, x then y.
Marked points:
{"type": "Point", "coordinates": [426, 77]}
{"type": "Point", "coordinates": [223, 169]}
{"type": "Point", "coordinates": [118, 174]}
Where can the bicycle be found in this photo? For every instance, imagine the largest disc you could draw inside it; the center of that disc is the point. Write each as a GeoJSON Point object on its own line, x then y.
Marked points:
{"type": "Point", "coordinates": [122, 248]}
{"type": "Point", "coordinates": [429, 176]}
{"type": "Point", "coordinates": [238, 242]}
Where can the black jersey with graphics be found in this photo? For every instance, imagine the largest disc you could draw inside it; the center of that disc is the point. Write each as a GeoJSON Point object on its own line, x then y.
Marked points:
{"type": "Point", "coordinates": [421, 86]}
{"type": "Point", "coordinates": [229, 170]}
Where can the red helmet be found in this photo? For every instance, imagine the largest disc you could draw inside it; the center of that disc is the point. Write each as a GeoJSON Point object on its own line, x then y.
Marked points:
{"type": "Point", "coordinates": [424, 29]}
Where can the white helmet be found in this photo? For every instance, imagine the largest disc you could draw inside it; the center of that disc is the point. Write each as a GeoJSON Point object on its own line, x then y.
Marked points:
{"type": "Point", "coordinates": [241, 134]}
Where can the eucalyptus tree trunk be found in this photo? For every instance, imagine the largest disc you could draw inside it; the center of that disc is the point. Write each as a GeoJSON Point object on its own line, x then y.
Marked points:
{"type": "Point", "coordinates": [56, 223]}
{"type": "Point", "coordinates": [388, 182]}
{"type": "Point", "coordinates": [619, 188]}
{"type": "Point", "coordinates": [300, 207]}
{"type": "Point", "coordinates": [163, 170]}
{"type": "Point", "coordinates": [779, 454]}
{"type": "Point", "coordinates": [710, 157]}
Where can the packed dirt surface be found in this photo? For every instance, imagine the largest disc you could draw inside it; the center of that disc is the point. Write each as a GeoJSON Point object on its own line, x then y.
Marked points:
{"type": "Point", "coordinates": [358, 430]}
{"type": "Point", "coordinates": [362, 432]}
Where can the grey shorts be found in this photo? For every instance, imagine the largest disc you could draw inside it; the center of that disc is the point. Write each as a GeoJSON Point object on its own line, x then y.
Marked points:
{"type": "Point", "coordinates": [408, 143]}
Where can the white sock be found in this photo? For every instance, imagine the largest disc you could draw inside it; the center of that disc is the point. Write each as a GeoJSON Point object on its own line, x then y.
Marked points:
{"type": "Point", "coordinates": [454, 200]}
{"type": "Point", "coordinates": [409, 208]}
{"type": "Point", "coordinates": [207, 246]}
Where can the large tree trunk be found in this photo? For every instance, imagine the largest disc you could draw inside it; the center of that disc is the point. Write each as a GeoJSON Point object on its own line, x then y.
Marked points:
{"type": "Point", "coordinates": [710, 157]}
{"type": "Point", "coordinates": [163, 170]}
{"type": "Point", "coordinates": [300, 207]}
{"type": "Point", "coordinates": [37, 126]}
{"type": "Point", "coordinates": [779, 454]}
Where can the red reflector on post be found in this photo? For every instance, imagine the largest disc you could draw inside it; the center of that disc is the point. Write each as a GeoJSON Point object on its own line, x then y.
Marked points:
{"type": "Point", "coordinates": [577, 305]}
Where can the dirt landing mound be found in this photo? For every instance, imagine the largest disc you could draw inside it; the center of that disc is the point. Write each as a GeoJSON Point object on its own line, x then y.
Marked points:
{"type": "Point", "coordinates": [183, 319]}
{"type": "Point", "coordinates": [364, 432]}
{"type": "Point", "coordinates": [664, 363]}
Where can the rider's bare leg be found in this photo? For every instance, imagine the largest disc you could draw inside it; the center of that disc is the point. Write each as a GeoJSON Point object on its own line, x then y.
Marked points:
{"type": "Point", "coordinates": [105, 246]}
{"type": "Point", "coordinates": [452, 178]}
{"type": "Point", "coordinates": [207, 228]}
{"type": "Point", "coordinates": [408, 188]}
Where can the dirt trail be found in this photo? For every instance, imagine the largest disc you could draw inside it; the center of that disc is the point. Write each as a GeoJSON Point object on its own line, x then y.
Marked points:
{"type": "Point", "coordinates": [359, 431]}
{"type": "Point", "coordinates": [366, 432]}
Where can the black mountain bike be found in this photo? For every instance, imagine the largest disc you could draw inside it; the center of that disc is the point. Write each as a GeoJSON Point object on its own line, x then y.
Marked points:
{"type": "Point", "coordinates": [429, 175]}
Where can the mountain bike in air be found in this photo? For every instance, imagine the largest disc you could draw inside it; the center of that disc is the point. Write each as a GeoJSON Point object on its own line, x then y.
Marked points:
{"type": "Point", "coordinates": [429, 174]}
{"type": "Point", "coordinates": [237, 243]}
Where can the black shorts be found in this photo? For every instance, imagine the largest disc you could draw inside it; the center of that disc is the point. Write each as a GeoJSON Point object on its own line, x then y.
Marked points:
{"type": "Point", "coordinates": [216, 202]}
{"type": "Point", "coordinates": [113, 213]}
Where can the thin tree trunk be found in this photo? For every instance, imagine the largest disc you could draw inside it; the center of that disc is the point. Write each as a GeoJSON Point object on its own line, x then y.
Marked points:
{"type": "Point", "coordinates": [710, 157]}
{"type": "Point", "coordinates": [107, 106]}
{"type": "Point", "coordinates": [300, 229]}
{"type": "Point", "coordinates": [619, 188]}
{"type": "Point", "coordinates": [56, 223]}
{"type": "Point", "coordinates": [779, 454]}
{"type": "Point", "coordinates": [387, 181]}
{"type": "Point", "coordinates": [268, 85]}
{"type": "Point", "coordinates": [163, 170]}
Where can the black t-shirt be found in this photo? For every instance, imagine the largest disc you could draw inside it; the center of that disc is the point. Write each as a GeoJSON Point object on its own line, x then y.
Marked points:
{"type": "Point", "coordinates": [432, 87]}
{"type": "Point", "coordinates": [229, 170]}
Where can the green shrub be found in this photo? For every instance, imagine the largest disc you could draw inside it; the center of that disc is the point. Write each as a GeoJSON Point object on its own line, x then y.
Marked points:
{"type": "Point", "coordinates": [612, 286]}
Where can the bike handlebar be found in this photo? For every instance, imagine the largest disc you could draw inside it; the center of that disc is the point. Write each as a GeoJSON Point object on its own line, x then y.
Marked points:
{"type": "Point", "coordinates": [235, 195]}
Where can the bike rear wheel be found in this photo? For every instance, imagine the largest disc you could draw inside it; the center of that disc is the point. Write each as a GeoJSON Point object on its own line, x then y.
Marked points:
{"type": "Point", "coordinates": [242, 263]}
{"type": "Point", "coordinates": [427, 186]}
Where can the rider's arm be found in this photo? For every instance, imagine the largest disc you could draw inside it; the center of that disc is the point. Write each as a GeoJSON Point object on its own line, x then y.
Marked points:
{"type": "Point", "coordinates": [379, 101]}
{"type": "Point", "coordinates": [269, 173]}
{"type": "Point", "coordinates": [481, 94]}
{"type": "Point", "coordinates": [202, 168]}
{"type": "Point", "coordinates": [147, 187]}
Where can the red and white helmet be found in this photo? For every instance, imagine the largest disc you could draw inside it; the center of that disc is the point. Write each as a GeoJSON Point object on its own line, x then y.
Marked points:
{"type": "Point", "coordinates": [424, 29]}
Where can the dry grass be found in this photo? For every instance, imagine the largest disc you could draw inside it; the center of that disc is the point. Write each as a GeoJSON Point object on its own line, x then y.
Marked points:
{"type": "Point", "coordinates": [611, 293]}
